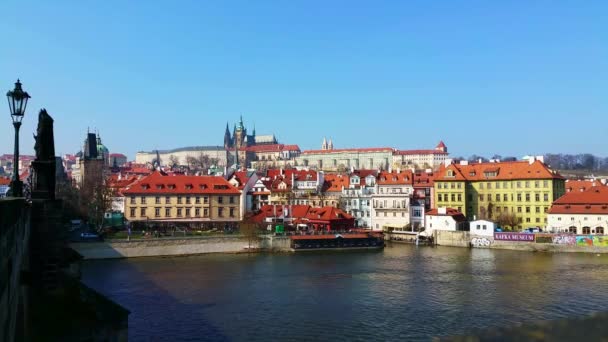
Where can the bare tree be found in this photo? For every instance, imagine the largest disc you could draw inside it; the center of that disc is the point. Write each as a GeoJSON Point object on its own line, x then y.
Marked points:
{"type": "Point", "coordinates": [506, 219]}
{"type": "Point", "coordinates": [251, 230]}
{"type": "Point", "coordinates": [173, 161]}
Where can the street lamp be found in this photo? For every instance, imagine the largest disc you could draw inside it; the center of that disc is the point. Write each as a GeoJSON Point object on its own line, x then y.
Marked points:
{"type": "Point", "coordinates": [17, 101]}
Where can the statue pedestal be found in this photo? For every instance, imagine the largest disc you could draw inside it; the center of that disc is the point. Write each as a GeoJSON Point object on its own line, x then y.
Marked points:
{"type": "Point", "coordinates": [43, 179]}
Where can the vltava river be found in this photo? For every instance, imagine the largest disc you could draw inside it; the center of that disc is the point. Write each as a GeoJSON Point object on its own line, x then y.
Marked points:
{"type": "Point", "coordinates": [403, 293]}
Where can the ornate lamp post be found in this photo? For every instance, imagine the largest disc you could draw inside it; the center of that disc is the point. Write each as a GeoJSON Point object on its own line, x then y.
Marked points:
{"type": "Point", "coordinates": [17, 101]}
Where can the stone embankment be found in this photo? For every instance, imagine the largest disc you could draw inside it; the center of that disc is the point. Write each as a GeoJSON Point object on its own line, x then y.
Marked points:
{"type": "Point", "coordinates": [525, 242]}
{"type": "Point", "coordinates": [112, 249]}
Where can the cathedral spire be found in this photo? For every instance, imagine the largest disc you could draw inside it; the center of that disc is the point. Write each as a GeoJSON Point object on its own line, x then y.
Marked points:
{"type": "Point", "coordinates": [324, 144]}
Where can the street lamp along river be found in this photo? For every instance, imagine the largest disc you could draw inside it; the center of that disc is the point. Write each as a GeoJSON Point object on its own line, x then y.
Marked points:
{"type": "Point", "coordinates": [17, 101]}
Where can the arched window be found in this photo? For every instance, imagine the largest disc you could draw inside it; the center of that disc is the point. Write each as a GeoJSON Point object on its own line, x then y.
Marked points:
{"type": "Point", "coordinates": [599, 230]}
{"type": "Point", "coordinates": [586, 230]}
{"type": "Point", "coordinates": [572, 230]}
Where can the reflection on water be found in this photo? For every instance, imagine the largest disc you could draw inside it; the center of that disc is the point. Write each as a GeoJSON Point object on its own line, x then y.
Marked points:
{"type": "Point", "coordinates": [403, 293]}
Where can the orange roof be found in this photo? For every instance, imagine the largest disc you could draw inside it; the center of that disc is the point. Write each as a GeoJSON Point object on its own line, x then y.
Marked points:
{"type": "Point", "coordinates": [423, 179]}
{"type": "Point", "coordinates": [159, 184]}
{"type": "Point", "coordinates": [359, 150]}
{"type": "Point", "coordinates": [591, 201]}
{"type": "Point", "coordinates": [271, 148]}
{"type": "Point", "coordinates": [414, 152]}
{"type": "Point", "coordinates": [455, 214]}
{"type": "Point", "coordinates": [581, 184]}
{"type": "Point", "coordinates": [335, 182]}
{"type": "Point", "coordinates": [4, 181]}
{"type": "Point", "coordinates": [302, 213]}
{"type": "Point", "coordinates": [394, 178]}
{"type": "Point", "coordinates": [503, 170]}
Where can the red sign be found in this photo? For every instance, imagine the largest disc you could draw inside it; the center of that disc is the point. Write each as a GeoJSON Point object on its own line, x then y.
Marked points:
{"type": "Point", "coordinates": [514, 237]}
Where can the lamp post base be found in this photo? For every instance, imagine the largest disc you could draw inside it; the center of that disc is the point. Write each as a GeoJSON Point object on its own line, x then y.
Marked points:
{"type": "Point", "coordinates": [15, 189]}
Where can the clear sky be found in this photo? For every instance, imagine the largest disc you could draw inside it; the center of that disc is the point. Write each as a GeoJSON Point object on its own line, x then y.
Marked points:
{"type": "Point", "coordinates": [507, 77]}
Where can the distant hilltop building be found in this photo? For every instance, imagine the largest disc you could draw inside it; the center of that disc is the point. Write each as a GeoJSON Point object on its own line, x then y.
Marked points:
{"type": "Point", "coordinates": [240, 150]}
{"type": "Point", "coordinates": [329, 158]}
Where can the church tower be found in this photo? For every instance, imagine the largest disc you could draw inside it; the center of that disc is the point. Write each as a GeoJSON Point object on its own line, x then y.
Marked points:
{"type": "Point", "coordinates": [324, 144]}
{"type": "Point", "coordinates": [227, 139]}
{"type": "Point", "coordinates": [330, 145]}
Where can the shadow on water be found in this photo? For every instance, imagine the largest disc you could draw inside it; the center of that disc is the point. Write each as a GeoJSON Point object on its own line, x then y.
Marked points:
{"type": "Point", "coordinates": [156, 313]}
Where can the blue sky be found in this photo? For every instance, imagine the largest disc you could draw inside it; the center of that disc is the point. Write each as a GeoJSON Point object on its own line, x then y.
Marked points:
{"type": "Point", "coordinates": [507, 77]}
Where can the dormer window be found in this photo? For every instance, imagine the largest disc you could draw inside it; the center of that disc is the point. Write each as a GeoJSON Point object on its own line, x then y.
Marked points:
{"type": "Point", "coordinates": [202, 186]}
{"type": "Point", "coordinates": [145, 186]}
{"type": "Point", "coordinates": [188, 186]}
{"type": "Point", "coordinates": [472, 173]}
{"type": "Point", "coordinates": [451, 173]}
{"type": "Point", "coordinates": [159, 186]}
{"type": "Point", "coordinates": [171, 186]}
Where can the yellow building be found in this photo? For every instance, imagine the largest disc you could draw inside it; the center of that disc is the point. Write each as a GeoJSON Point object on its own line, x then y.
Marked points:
{"type": "Point", "coordinates": [195, 201]}
{"type": "Point", "coordinates": [523, 190]}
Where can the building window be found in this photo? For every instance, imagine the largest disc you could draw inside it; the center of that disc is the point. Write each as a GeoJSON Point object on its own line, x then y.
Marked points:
{"type": "Point", "coordinates": [167, 200]}
{"type": "Point", "coordinates": [220, 199]}
{"type": "Point", "coordinates": [231, 211]}
{"type": "Point", "coordinates": [489, 185]}
{"type": "Point", "coordinates": [586, 230]}
{"type": "Point", "coordinates": [538, 220]}
{"type": "Point", "coordinates": [439, 198]}
{"type": "Point", "coordinates": [197, 212]}
{"type": "Point", "coordinates": [537, 197]}
{"type": "Point", "coordinates": [167, 212]}
{"type": "Point", "coordinates": [206, 212]}
{"type": "Point", "coordinates": [481, 198]}
{"type": "Point", "coordinates": [545, 183]}
{"type": "Point", "coordinates": [519, 185]}
{"type": "Point", "coordinates": [157, 200]}
{"type": "Point", "coordinates": [187, 212]}
{"type": "Point", "coordinates": [142, 212]}
{"type": "Point", "coordinates": [143, 200]}
{"type": "Point", "coordinates": [220, 211]}
{"type": "Point", "coordinates": [527, 219]}
{"type": "Point", "coordinates": [179, 212]}
{"type": "Point", "coordinates": [459, 197]}
{"type": "Point", "coordinates": [497, 196]}
{"type": "Point", "coordinates": [453, 197]}
{"type": "Point", "coordinates": [205, 200]}
{"type": "Point", "coordinates": [157, 211]}
{"type": "Point", "coordinates": [528, 210]}
{"type": "Point", "coordinates": [546, 209]}
{"type": "Point", "coordinates": [546, 197]}
{"type": "Point", "coordinates": [179, 199]}
{"type": "Point", "coordinates": [599, 230]}
{"type": "Point", "coordinates": [197, 200]}
{"type": "Point", "coordinates": [187, 199]}
{"type": "Point", "coordinates": [527, 184]}
{"type": "Point", "coordinates": [518, 197]}
{"type": "Point", "coordinates": [519, 209]}
{"type": "Point", "coordinates": [538, 210]}
{"type": "Point", "coordinates": [132, 200]}
{"type": "Point", "coordinates": [505, 197]}
{"type": "Point", "coordinates": [132, 212]}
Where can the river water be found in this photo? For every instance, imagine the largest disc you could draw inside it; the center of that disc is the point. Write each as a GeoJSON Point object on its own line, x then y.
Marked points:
{"type": "Point", "coordinates": [403, 293]}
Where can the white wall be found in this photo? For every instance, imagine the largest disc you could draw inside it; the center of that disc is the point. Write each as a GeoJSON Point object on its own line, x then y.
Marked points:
{"type": "Point", "coordinates": [482, 227]}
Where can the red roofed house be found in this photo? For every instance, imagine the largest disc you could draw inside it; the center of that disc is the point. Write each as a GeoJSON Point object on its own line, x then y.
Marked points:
{"type": "Point", "coordinates": [582, 184]}
{"type": "Point", "coordinates": [193, 201]}
{"type": "Point", "coordinates": [580, 212]}
{"type": "Point", "coordinates": [330, 159]}
{"type": "Point", "coordinates": [306, 217]}
{"type": "Point", "coordinates": [244, 181]}
{"type": "Point", "coordinates": [444, 219]}
{"type": "Point", "coordinates": [391, 200]}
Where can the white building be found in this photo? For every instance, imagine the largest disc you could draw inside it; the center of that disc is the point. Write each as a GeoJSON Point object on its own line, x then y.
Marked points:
{"type": "Point", "coordinates": [357, 196]}
{"type": "Point", "coordinates": [444, 219]}
{"type": "Point", "coordinates": [391, 200]}
{"type": "Point", "coordinates": [245, 182]}
{"type": "Point", "coordinates": [580, 212]}
{"type": "Point", "coordinates": [421, 159]}
{"type": "Point", "coordinates": [482, 227]}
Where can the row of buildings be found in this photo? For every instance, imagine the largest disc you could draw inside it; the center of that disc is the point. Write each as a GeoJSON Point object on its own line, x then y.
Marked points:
{"type": "Point", "coordinates": [516, 195]}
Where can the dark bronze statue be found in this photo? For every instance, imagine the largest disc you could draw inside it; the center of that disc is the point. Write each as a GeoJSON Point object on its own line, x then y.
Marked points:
{"type": "Point", "coordinates": [45, 142]}
{"type": "Point", "coordinates": [43, 180]}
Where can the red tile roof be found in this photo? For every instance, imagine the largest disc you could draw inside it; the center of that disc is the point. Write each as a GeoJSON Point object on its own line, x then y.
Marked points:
{"type": "Point", "coordinates": [158, 184]}
{"type": "Point", "coordinates": [394, 178]}
{"type": "Point", "coordinates": [505, 171]}
{"type": "Point", "coordinates": [415, 152]}
{"type": "Point", "coordinates": [581, 184]}
{"type": "Point", "coordinates": [271, 148]}
{"type": "Point", "coordinates": [591, 201]}
{"type": "Point", "coordinates": [335, 182]}
{"type": "Point", "coordinates": [455, 214]}
{"type": "Point", "coordinates": [359, 150]}
{"type": "Point", "coordinates": [302, 213]}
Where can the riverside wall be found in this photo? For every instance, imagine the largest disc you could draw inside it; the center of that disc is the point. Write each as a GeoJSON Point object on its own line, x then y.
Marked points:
{"type": "Point", "coordinates": [538, 243]}
{"type": "Point", "coordinates": [113, 249]}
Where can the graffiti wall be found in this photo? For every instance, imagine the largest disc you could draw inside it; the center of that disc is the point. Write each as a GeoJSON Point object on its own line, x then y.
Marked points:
{"type": "Point", "coordinates": [480, 242]}
{"type": "Point", "coordinates": [564, 240]}
{"type": "Point", "coordinates": [543, 238]}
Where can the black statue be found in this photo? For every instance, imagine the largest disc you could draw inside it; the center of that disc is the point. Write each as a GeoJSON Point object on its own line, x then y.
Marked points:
{"type": "Point", "coordinates": [43, 180]}
{"type": "Point", "coordinates": [45, 141]}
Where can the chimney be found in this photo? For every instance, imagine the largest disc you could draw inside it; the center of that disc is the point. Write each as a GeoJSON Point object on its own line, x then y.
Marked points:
{"type": "Point", "coordinates": [464, 162]}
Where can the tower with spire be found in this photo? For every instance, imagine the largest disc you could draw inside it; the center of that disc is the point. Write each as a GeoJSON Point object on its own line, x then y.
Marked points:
{"type": "Point", "coordinates": [324, 144]}
{"type": "Point", "coordinates": [330, 145]}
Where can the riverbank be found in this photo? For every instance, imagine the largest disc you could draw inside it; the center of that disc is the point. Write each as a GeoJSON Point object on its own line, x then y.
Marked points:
{"type": "Point", "coordinates": [116, 249]}
{"type": "Point", "coordinates": [551, 243]}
